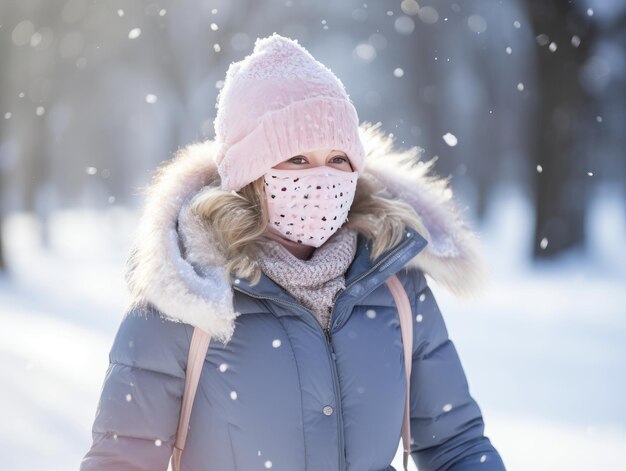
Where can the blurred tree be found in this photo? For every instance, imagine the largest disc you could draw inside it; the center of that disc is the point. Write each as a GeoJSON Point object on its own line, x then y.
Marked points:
{"type": "Point", "coordinates": [22, 47]}
{"type": "Point", "coordinates": [5, 44]}
{"type": "Point", "coordinates": [561, 117]}
{"type": "Point", "coordinates": [46, 72]}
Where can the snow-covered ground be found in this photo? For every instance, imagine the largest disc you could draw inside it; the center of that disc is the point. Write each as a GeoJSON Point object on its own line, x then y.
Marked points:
{"type": "Point", "coordinates": [544, 347]}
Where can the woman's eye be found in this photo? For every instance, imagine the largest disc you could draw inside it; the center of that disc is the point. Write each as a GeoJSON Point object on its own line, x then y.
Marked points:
{"type": "Point", "coordinates": [340, 157]}
{"type": "Point", "coordinates": [293, 159]}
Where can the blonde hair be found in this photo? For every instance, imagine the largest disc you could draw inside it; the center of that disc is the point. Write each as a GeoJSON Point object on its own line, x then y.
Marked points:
{"type": "Point", "coordinates": [238, 221]}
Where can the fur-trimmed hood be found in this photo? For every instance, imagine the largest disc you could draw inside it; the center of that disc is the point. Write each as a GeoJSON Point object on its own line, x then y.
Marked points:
{"type": "Point", "coordinates": [175, 265]}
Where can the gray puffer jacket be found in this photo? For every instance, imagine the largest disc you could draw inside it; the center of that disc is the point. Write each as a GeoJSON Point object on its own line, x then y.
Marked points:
{"type": "Point", "coordinates": [275, 392]}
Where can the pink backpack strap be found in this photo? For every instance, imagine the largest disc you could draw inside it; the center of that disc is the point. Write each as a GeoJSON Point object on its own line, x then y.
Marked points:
{"type": "Point", "coordinates": [403, 305]}
{"type": "Point", "coordinates": [197, 354]}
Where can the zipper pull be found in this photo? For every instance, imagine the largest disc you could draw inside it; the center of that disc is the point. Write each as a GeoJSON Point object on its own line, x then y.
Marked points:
{"type": "Point", "coordinates": [328, 323]}
{"type": "Point", "coordinates": [330, 344]}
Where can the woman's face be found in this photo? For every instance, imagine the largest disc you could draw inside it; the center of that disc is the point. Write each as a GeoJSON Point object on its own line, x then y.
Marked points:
{"type": "Point", "coordinates": [331, 157]}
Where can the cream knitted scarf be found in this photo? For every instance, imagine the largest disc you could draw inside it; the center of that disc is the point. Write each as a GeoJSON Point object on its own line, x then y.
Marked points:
{"type": "Point", "coordinates": [313, 282]}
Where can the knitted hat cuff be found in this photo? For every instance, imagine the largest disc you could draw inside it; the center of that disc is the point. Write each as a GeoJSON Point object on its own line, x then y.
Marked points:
{"type": "Point", "coordinates": [303, 126]}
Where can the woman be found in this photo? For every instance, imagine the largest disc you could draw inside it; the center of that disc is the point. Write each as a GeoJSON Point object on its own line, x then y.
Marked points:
{"type": "Point", "coordinates": [277, 238]}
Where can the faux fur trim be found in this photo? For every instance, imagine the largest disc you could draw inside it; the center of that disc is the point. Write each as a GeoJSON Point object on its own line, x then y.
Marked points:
{"type": "Point", "coordinates": [453, 256]}
{"type": "Point", "coordinates": [158, 271]}
{"type": "Point", "coordinates": [175, 265]}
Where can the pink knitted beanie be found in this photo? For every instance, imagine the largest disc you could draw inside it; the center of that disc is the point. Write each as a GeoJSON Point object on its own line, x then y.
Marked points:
{"type": "Point", "coordinates": [276, 103]}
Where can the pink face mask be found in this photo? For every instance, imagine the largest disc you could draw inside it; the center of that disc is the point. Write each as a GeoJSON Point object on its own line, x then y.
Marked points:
{"type": "Point", "coordinates": [309, 205]}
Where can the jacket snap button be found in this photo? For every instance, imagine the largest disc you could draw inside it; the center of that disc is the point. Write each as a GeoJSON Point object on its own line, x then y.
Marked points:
{"type": "Point", "coordinates": [328, 410]}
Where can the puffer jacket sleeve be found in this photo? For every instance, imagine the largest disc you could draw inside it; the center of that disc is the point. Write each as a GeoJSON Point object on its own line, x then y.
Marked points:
{"type": "Point", "coordinates": [137, 413]}
{"type": "Point", "coordinates": [447, 428]}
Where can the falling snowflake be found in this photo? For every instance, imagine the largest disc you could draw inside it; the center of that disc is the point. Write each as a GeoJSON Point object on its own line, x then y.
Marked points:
{"type": "Point", "coordinates": [447, 407]}
{"type": "Point", "coordinates": [370, 313]}
{"type": "Point", "coordinates": [544, 243]}
{"type": "Point", "coordinates": [276, 343]}
{"type": "Point", "coordinates": [223, 367]}
{"type": "Point", "coordinates": [365, 52]}
{"type": "Point", "coordinates": [134, 33]}
{"type": "Point", "coordinates": [450, 139]}
{"type": "Point", "coordinates": [151, 98]}
{"type": "Point", "coordinates": [404, 25]}
{"type": "Point", "coordinates": [539, 168]}
{"type": "Point", "coordinates": [428, 15]}
{"type": "Point", "coordinates": [410, 7]}
{"type": "Point", "coordinates": [477, 24]}
{"type": "Point", "coordinates": [233, 395]}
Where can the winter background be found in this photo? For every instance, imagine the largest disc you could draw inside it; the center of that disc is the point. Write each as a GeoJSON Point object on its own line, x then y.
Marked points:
{"type": "Point", "coordinates": [523, 103]}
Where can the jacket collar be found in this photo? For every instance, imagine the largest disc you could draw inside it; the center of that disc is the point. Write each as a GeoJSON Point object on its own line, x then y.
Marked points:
{"type": "Point", "coordinates": [367, 274]}
{"type": "Point", "coordinates": [175, 265]}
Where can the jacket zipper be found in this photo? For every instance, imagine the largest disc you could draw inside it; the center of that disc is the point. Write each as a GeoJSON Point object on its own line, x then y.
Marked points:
{"type": "Point", "coordinates": [331, 352]}
{"type": "Point", "coordinates": [326, 333]}
{"type": "Point", "coordinates": [342, 450]}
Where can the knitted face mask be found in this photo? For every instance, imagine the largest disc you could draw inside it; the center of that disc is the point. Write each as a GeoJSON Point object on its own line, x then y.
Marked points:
{"type": "Point", "coordinates": [309, 205]}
